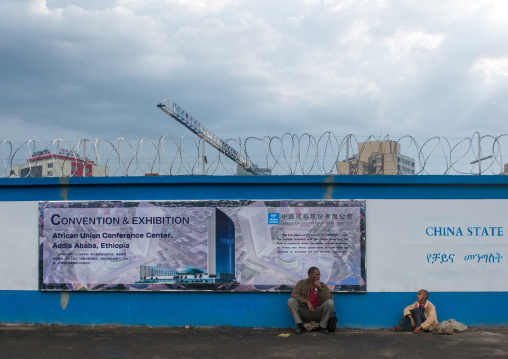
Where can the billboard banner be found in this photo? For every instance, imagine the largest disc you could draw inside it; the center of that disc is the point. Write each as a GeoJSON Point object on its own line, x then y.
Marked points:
{"type": "Point", "coordinates": [228, 245]}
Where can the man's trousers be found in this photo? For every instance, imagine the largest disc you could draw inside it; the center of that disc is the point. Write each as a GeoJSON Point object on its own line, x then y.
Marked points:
{"type": "Point", "coordinates": [418, 317]}
{"type": "Point", "coordinates": [320, 314]}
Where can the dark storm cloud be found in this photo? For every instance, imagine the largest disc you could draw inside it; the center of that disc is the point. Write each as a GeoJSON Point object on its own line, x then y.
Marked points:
{"type": "Point", "coordinates": [98, 68]}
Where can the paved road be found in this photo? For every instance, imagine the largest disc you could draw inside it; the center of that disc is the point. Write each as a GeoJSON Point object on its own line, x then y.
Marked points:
{"type": "Point", "coordinates": [51, 341]}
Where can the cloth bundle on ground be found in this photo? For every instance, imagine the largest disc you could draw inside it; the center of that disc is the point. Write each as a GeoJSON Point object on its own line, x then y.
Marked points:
{"type": "Point", "coordinates": [449, 327]}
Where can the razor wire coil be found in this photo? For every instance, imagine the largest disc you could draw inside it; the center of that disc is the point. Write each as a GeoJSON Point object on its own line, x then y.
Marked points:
{"type": "Point", "coordinates": [289, 154]}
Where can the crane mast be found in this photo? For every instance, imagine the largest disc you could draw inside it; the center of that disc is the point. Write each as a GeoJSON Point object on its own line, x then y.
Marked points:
{"type": "Point", "coordinates": [180, 115]}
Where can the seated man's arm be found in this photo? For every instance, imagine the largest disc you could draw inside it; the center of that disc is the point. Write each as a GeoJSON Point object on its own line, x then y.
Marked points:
{"type": "Point", "coordinates": [407, 313]}
{"type": "Point", "coordinates": [431, 318]}
{"type": "Point", "coordinates": [324, 292]}
{"type": "Point", "coordinates": [407, 310]}
{"type": "Point", "coordinates": [298, 293]}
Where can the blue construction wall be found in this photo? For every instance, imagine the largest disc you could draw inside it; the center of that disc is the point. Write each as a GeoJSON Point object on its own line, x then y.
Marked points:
{"type": "Point", "coordinates": [373, 309]}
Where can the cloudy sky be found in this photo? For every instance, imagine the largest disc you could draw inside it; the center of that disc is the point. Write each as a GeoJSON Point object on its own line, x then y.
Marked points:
{"type": "Point", "coordinates": [97, 69]}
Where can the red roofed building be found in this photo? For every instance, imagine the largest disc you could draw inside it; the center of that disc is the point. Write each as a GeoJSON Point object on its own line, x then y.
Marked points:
{"type": "Point", "coordinates": [62, 164]}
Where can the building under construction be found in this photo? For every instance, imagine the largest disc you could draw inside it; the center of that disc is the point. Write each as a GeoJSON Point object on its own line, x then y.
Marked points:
{"type": "Point", "coordinates": [377, 158]}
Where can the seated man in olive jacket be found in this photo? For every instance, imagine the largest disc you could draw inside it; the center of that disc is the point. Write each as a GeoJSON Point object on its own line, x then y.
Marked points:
{"type": "Point", "coordinates": [311, 301]}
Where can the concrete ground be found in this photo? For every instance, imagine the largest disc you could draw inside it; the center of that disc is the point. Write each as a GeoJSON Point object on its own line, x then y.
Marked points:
{"type": "Point", "coordinates": [52, 341]}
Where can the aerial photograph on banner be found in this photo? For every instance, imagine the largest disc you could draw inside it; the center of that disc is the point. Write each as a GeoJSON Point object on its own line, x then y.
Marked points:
{"type": "Point", "coordinates": [227, 245]}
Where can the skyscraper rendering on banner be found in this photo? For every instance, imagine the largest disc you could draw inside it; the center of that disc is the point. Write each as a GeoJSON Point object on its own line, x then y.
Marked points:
{"type": "Point", "coordinates": [224, 247]}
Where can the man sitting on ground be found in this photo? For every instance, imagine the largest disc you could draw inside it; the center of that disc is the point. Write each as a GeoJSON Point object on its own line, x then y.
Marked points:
{"type": "Point", "coordinates": [311, 300]}
{"type": "Point", "coordinates": [420, 316]}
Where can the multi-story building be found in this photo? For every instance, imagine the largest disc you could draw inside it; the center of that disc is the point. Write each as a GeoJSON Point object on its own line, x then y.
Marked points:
{"type": "Point", "coordinates": [149, 272]}
{"type": "Point", "coordinates": [378, 158]}
{"type": "Point", "coordinates": [62, 164]}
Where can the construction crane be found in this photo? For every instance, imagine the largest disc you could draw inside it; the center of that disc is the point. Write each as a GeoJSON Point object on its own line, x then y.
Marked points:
{"type": "Point", "coordinates": [180, 115]}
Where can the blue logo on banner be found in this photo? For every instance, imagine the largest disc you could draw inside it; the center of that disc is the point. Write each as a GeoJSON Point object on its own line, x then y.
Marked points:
{"type": "Point", "coordinates": [273, 218]}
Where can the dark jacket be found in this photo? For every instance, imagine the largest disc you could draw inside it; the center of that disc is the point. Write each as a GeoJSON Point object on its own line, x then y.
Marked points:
{"type": "Point", "coordinates": [302, 289]}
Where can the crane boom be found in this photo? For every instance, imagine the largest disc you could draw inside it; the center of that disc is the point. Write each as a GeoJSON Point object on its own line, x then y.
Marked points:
{"type": "Point", "coordinates": [180, 115]}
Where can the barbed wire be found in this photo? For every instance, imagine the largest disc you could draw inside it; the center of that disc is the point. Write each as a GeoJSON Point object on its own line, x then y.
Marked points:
{"type": "Point", "coordinates": [289, 154]}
